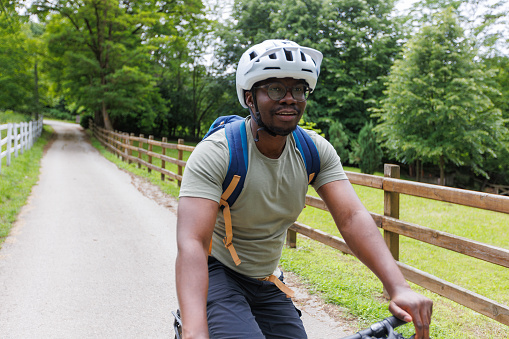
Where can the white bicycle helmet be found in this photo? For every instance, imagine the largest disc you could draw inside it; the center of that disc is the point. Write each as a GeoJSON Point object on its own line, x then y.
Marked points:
{"type": "Point", "coordinates": [277, 59]}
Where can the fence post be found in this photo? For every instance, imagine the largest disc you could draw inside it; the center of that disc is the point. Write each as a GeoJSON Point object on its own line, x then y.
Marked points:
{"type": "Point", "coordinates": [25, 137]}
{"type": "Point", "coordinates": [150, 138]}
{"type": "Point", "coordinates": [121, 147]}
{"type": "Point", "coordinates": [180, 157]}
{"type": "Point", "coordinates": [291, 238]}
{"type": "Point", "coordinates": [130, 151]}
{"type": "Point", "coordinates": [391, 209]}
{"type": "Point", "coordinates": [125, 143]}
{"type": "Point", "coordinates": [140, 146]}
{"type": "Point", "coordinates": [116, 140]}
{"type": "Point", "coordinates": [29, 135]}
{"type": "Point", "coordinates": [163, 151]}
{"type": "Point", "coordinates": [21, 138]}
{"type": "Point", "coordinates": [9, 142]}
{"type": "Point", "coordinates": [118, 137]}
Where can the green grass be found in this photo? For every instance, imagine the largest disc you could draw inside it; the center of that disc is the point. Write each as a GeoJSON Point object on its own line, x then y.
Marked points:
{"type": "Point", "coordinates": [13, 117]}
{"type": "Point", "coordinates": [326, 272]}
{"type": "Point", "coordinates": [342, 280]}
{"type": "Point", "coordinates": [16, 182]}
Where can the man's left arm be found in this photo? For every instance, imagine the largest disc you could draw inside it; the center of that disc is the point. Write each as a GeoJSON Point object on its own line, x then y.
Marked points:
{"type": "Point", "coordinates": [364, 239]}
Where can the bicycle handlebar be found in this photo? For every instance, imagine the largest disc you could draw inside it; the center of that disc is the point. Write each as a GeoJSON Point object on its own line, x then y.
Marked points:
{"type": "Point", "coordinates": [378, 329]}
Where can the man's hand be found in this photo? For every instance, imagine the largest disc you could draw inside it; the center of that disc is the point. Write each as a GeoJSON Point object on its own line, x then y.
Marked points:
{"type": "Point", "coordinates": [410, 306]}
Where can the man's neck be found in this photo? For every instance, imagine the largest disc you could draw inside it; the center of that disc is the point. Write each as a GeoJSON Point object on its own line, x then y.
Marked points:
{"type": "Point", "coordinates": [270, 146]}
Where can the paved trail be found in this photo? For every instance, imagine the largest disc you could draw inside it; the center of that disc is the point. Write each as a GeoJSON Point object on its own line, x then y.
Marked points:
{"type": "Point", "coordinates": [92, 257]}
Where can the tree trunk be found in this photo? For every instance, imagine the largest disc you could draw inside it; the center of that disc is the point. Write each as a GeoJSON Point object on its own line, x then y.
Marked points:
{"type": "Point", "coordinates": [106, 117]}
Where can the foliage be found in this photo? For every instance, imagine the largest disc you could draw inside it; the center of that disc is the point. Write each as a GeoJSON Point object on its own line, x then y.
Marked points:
{"type": "Point", "coordinates": [437, 107]}
{"type": "Point", "coordinates": [9, 116]}
{"type": "Point", "coordinates": [310, 126]}
{"type": "Point", "coordinates": [498, 168]}
{"type": "Point", "coordinates": [340, 141]}
{"type": "Point", "coordinates": [366, 151]}
{"type": "Point", "coordinates": [485, 21]}
{"type": "Point", "coordinates": [85, 120]}
{"type": "Point", "coordinates": [103, 54]}
{"type": "Point", "coordinates": [17, 49]}
{"type": "Point", "coordinates": [357, 38]}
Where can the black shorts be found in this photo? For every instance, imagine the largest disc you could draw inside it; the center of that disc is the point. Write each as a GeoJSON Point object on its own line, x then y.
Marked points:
{"type": "Point", "coordinates": [241, 307]}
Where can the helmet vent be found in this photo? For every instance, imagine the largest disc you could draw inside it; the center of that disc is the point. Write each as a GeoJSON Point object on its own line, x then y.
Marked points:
{"type": "Point", "coordinates": [302, 56]}
{"type": "Point", "coordinates": [307, 70]}
{"type": "Point", "coordinates": [273, 56]}
{"type": "Point", "coordinates": [272, 68]}
{"type": "Point", "coordinates": [252, 55]}
{"type": "Point", "coordinates": [289, 55]}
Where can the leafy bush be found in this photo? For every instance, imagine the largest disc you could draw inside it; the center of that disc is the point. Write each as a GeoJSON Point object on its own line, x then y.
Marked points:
{"type": "Point", "coordinates": [9, 116]}
{"type": "Point", "coordinates": [367, 152]}
{"type": "Point", "coordinates": [59, 114]}
{"type": "Point", "coordinates": [85, 119]}
{"type": "Point", "coordinates": [339, 140]}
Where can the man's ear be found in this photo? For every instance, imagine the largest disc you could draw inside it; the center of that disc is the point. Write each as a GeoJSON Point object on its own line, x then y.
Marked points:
{"type": "Point", "coordinates": [248, 97]}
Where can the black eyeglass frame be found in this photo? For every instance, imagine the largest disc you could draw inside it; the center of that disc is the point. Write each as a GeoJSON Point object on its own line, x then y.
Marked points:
{"type": "Point", "coordinates": [307, 90]}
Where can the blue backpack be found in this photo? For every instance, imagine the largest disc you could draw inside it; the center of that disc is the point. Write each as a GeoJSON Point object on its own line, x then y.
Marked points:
{"type": "Point", "coordinates": [235, 130]}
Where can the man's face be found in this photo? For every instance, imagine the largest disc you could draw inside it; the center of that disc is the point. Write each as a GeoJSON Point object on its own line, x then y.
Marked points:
{"type": "Point", "coordinates": [280, 116]}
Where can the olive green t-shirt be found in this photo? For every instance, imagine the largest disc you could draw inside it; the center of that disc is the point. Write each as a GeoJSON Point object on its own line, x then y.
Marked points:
{"type": "Point", "coordinates": [272, 198]}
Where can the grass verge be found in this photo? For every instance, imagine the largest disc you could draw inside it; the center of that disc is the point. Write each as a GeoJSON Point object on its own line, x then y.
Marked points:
{"type": "Point", "coordinates": [168, 185]}
{"type": "Point", "coordinates": [342, 280]}
{"type": "Point", "coordinates": [16, 182]}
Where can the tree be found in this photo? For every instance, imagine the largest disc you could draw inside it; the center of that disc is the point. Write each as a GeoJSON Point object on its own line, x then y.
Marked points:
{"type": "Point", "coordinates": [105, 53]}
{"type": "Point", "coordinates": [358, 39]}
{"type": "Point", "coordinates": [339, 140]}
{"type": "Point", "coordinates": [498, 168]}
{"type": "Point", "coordinates": [437, 107]}
{"type": "Point", "coordinates": [366, 151]}
{"type": "Point", "coordinates": [16, 60]}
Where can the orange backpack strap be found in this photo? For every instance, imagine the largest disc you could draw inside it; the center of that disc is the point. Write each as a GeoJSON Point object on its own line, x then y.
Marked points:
{"type": "Point", "coordinates": [279, 284]}
{"type": "Point", "coordinates": [223, 204]}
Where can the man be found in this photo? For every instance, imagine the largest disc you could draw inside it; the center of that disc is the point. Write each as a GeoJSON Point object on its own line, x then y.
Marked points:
{"type": "Point", "coordinates": [222, 297]}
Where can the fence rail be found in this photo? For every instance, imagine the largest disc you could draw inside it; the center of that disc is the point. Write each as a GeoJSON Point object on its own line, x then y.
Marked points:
{"type": "Point", "coordinates": [19, 137]}
{"type": "Point", "coordinates": [122, 144]}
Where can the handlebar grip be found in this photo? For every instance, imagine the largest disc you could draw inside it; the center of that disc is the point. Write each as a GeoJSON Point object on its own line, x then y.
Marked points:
{"type": "Point", "coordinates": [378, 328]}
{"type": "Point", "coordinates": [395, 322]}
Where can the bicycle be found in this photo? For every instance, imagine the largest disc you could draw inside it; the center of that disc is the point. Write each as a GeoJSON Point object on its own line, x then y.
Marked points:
{"type": "Point", "coordinates": [177, 324]}
{"type": "Point", "coordinates": [383, 329]}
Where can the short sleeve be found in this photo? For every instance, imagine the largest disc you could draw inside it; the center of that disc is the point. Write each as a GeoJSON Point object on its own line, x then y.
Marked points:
{"type": "Point", "coordinates": [330, 163]}
{"type": "Point", "coordinates": [206, 169]}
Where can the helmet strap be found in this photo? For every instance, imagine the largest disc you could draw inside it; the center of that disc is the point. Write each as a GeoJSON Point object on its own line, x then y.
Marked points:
{"type": "Point", "coordinates": [257, 117]}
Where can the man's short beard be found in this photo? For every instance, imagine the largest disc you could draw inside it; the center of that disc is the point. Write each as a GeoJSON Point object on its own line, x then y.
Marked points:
{"type": "Point", "coordinates": [278, 130]}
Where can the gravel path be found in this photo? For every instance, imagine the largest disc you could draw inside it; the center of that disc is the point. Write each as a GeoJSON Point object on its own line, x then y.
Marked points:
{"type": "Point", "coordinates": [92, 255]}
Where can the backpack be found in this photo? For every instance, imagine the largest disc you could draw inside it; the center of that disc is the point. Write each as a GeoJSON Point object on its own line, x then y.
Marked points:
{"type": "Point", "coordinates": [235, 130]}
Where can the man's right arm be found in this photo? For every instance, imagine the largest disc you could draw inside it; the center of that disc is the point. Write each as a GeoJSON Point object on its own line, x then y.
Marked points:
{"type": "Point", "coordinates": [195, 224]}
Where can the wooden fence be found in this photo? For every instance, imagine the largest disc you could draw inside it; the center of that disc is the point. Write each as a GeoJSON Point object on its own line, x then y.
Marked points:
{"type": "Point", "coordinates": [19, 138]}
{"type": "Point", "coordinates": [123, 145]}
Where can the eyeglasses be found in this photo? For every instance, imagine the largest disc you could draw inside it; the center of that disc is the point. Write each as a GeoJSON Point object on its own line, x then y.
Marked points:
{"type": "Point", "coordinates": [277, 91]}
